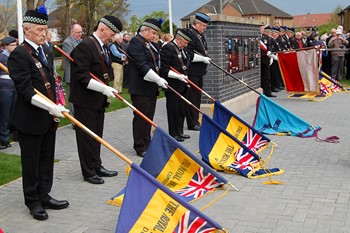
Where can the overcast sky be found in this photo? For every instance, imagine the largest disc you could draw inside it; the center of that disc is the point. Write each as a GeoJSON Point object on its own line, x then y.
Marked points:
{"type": "Point", "coordinates": [180, 8]}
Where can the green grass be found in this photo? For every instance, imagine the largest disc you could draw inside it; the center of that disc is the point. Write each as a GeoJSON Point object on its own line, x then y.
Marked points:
{"type": "Point", "coordinates": [10, 167]}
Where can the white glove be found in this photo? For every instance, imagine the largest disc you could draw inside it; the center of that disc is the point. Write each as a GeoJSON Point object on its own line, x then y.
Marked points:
{"type": "Point", "coordinates": [271, 61]}
{"type": "Point", "coordinates": [154, 77]}
{"type": "Point", "coordinates": [200, 58]}
{"type": "Point", "coordinates": [53, 109]}
{"type": "Point", "coordinates": [102, 88]}
{"type": "Point", "coordinates": [180, 77]}
{"type": "Point", "coordinates": [271, 55]}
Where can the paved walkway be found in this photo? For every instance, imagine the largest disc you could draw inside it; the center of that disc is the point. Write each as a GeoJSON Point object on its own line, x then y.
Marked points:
{"type": "Point", "coordinates": [315, 197]}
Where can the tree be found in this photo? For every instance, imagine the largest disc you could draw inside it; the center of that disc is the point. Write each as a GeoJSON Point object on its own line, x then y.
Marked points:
{"type": "Point", "coordinates": [7, 15]}
{"type": "Point", "coordinates": [136, 22]}
{"type": "Point", "coordinates": [166, 27]}
{"type": "Point", "coordinates": [87, 13]}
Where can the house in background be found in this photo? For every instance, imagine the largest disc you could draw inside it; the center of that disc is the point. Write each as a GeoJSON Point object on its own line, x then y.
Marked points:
{"type": "Point", "coordinates": [251, 9]}
{"type": "Point", "coordinates": [309, 21]}
{"type": "Point", "coordinates": [345, 18]}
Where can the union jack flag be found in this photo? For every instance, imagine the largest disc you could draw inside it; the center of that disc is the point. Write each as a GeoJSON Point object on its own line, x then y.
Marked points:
{"type": "Point", "coordinates": [254, 141]}
{"type": "Point", "coordinates": [324, 89]}
{"type": "Point", "coordinates": [201, 183]}
{"type": "Point", "coordinates": [244, 162]}
{"type": "Point", "coordinates": [189, 223]}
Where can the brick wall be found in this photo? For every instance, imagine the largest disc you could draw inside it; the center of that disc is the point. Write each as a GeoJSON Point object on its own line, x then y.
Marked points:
{"type": "Point", "coordinates": [220, 86]}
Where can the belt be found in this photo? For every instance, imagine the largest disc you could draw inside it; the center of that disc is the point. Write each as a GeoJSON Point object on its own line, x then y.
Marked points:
{"type": "Point", "coordinates": [5, 76]}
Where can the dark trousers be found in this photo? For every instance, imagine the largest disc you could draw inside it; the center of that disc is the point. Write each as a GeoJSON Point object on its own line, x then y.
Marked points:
{"type": "Point", "coordinates": [88, 148]}
{"type": "Point", "coordinates": [265, 78]}
{"type": "Point", "coordinates": [275, 75]}
{"type": "Point", "coordinates": [175, 107]}
{"type": "Point", "coordinates": [194, 96]}
{"type": "Point", "coordinates": [7, 101]}
{"type": "Point", "coordinates": [141, 129]}
{"type": "Point", "coordinates": [37, 156]}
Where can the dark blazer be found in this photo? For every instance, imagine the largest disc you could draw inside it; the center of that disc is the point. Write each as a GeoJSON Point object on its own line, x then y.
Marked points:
{"type": "Point", "coordinates": [87, 59]}
{"type": "Point", "coordinates": [198, 44]}
{"type": "Point", "coordinates": [139, 65]}
{"type": "Point", "coordinates": [27, 118]}
{"type": "Point", "coordinates": [267, 41]}
{"type": "Point", "coordinates": [169, 57]}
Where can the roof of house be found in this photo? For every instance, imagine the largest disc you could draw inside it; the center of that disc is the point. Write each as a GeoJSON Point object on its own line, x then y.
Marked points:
{"type": "Point", "coordinates": [245, 7]}
{"type": "Point", "coordinates": [311, 20]}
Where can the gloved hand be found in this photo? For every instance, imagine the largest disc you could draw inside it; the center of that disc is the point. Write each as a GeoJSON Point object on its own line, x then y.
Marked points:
{"type": "Point", "coordinates": [53, 109]}
{"type": "Point", "coordinates": [271, 61]}
{"type": "Point", "coordinates": [200, 58]}
{"type": "Point", "coordinates": [154, 77]}
{"type": "Point", "coordinates": [102, 88]}
{"type": "Point", "coordinates": [56, 110]}
{"type": "Point", "coordinates": [271, 55]}
{"type": "Point", "coordinates": [180, 77]}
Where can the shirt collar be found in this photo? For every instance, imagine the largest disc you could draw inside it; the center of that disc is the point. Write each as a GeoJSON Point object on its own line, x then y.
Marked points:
{"type": "Point", "coordinates": [98, 39]}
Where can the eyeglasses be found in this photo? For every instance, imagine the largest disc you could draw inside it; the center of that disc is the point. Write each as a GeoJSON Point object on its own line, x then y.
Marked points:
{"type": "Point", "coordinates": [79, 32]}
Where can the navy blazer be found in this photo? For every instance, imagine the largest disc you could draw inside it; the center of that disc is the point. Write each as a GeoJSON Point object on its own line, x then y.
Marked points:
{"type": "Point", "coordinates": [27, 118]}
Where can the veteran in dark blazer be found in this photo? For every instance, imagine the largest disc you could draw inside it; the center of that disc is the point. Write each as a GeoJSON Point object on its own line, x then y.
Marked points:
{"type": "Point", "coordinates": [89, 96]}
{"type": "Point", "coordinates": [143, 81]}
{"type": "Point", "coordinates": [173, 55]}
{"type": "Point", "coordinates": [198, 68]}
{"type": "Point", "coordinates": [31, 66]}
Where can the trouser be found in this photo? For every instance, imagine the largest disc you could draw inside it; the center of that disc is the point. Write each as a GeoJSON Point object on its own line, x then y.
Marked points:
{"type": "Point", "coordinates": [118, 76]}
{"type": "Point", "coordinates": [265, 78]}
{"type": "Point", "coordinates": [141, 129]}
{"type": "Point", "coordinates": [37, 157]}
{"type": "Point", "coordinates": [7, 101]}
{"type": "Point", "coordinates": [89, 149]}
{"type": "Point", "coordinates": [337, 67]}
{"type": "Point", "coordinates": [194, 96]}
{"type": "Point", "coordinates": [176, 113]}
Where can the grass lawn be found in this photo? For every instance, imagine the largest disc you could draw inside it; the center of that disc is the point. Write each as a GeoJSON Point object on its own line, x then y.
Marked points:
{"type": "Point", "coordinates": [10, 167]}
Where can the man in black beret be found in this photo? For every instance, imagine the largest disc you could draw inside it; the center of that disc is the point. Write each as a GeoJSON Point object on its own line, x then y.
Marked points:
{"type": "Point", "coordinates": [143, 81]}
{"type": "Point", "coordinates": [34, 117]}
{"type": "Point", "coordinates": [89, 96]}
{"type": "Point", "coordinates": [174, 55]}
{"type": "Point", "coordinates": [198, 52]}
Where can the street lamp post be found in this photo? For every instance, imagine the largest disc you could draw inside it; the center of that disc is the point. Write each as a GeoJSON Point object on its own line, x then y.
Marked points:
{"type": "Point", "coordinates": [170, 18]}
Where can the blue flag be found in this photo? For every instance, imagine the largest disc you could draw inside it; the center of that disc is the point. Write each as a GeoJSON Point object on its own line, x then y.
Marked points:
{"type": "Point", "coordinates": [177, 168]}
{"type": "Point", "coordinates": [272, 118]}
{"type": "Point", "coordinates": [149, 206]}
{"type": "Point", "coordinates": [240, 129]}
{"type": "Point", "coordinates": [226, 153]}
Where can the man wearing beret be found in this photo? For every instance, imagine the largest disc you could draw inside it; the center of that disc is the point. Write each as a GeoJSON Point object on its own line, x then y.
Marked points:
{"type": "Point", "coordinates": [174, 55]}
{"type": "Point", "coordinates": [34, 117]}
{"type": "Point", "coordinates": [89, 96]}
{"type": "Point", "coordinates": [143, 81]}
{"type": "Point", "coordinates": [7, 92]}
{"type": "Point", "coordinates": [198, 52]}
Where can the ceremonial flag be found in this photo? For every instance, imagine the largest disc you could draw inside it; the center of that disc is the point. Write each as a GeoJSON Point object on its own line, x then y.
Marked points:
{"type": "Point", "coordinates": [299, 71]}
{"type": "Point", "coordinates": [177, 168]}
{"type": "Point", "coordinates": [149, 206]}
{"type": "Point", "coordinates": [226, 153]}
{"type": "Point", "coordinates": [328, 86]}
{"type": "Point", "coordinates": [271, 118]}
{"type": "Point", "coordinates": [240, 129]}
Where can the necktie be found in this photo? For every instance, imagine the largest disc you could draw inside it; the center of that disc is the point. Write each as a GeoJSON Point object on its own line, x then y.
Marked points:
{"type": "Point", "coordinates": [42, 55]}
{"type": "Point", "coordinates": [105, 54]}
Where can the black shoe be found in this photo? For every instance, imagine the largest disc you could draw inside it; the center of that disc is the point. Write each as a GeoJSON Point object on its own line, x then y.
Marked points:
{"type": "Point", "coordinates": [94, 179]}
{"type": "Point", "coordinates": [106, 173]}
{"type": "Point", "coordinates": [6, 143]}
{"type": "Point", "coordinates": [179, 138]}
{"type": "Point", "coordinates": [270, 95]}
{"type": "Point", "coordinates": [275, 90]}
{"type": "Point", "coordinates": [195, 128]}
{"type": "Point", "coordinates": [141, 154]}
{"type": "Point", "coordinates": [39, 213]}
{"type": "Point", "coordinates": [55, 204]}
{"type": "Point", "coordinates": [185, 136]}
{"type": "Point", "coordinates": [2, 146]}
